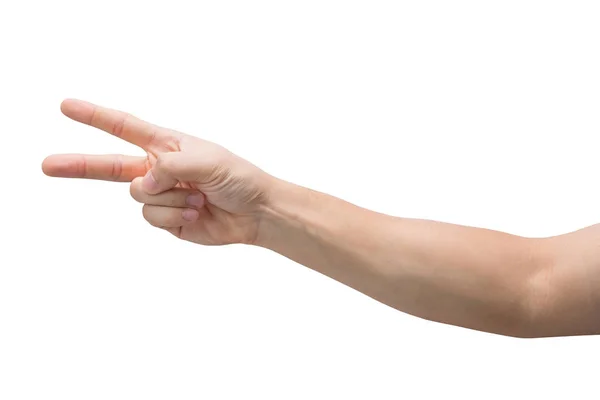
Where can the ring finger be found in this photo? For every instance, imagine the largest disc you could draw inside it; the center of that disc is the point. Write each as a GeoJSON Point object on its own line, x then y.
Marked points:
{"type": "Point", "coordinates": [169, 217]}
{"type": "Point", "coordinates": [172, 198]}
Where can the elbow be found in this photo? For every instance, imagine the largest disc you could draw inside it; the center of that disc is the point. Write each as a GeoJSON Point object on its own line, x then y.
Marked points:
{"type": "Point", "coordinates": [537, 316]}
{"type": "Point", "coordinates": [561, 291]}
{"type": "Point", "coordinates": [524, 304]}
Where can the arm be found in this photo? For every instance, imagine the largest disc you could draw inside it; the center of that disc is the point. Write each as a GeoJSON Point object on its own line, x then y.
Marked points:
{"type": "Point", "coordinates": [470, 277]}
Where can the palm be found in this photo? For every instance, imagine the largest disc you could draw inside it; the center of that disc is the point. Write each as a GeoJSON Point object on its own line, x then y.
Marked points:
{"type": "Point", "coordinates": [226, 218]}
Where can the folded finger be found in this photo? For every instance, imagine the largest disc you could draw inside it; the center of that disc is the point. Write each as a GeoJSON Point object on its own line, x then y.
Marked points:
{"type": "Point", "coordinates": [176, 197]}
{"type": "Point", "coordinates": [169, 217]}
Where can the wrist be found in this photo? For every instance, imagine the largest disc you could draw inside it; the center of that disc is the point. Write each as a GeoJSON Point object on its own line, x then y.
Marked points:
{"type": "Point", "coordinates": [280, 211]}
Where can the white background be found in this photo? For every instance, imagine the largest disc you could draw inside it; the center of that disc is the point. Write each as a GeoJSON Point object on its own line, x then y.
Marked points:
{"type": "Point", "coordinates": [472, 112]}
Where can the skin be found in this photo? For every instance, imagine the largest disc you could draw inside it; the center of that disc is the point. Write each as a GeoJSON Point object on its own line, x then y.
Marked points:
{"type": "Point", "coordinates": [470, 277]}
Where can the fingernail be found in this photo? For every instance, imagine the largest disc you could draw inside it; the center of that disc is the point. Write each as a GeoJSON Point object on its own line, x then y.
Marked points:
{"type": "Point", "coordinates": [195, 200]}
{"type": "Point", "coordinates": [190, 215]}
{"type": "Point", "coordinates": [149, 184]}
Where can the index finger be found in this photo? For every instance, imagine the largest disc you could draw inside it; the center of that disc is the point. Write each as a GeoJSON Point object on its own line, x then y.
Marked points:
{"type": "Point", "coordinates": [115, 122]}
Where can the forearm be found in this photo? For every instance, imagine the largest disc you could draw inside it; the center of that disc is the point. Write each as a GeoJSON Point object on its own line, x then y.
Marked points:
{"type": "Point", "coordinates": [471, 277]}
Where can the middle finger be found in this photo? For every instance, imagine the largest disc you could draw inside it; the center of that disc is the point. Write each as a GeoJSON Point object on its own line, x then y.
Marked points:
{"type": "Point", "coordinates": [176, 197]}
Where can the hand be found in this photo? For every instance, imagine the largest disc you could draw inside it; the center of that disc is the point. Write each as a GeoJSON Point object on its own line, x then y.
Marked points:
{"type": "Point", "coordinates": [195, 189]}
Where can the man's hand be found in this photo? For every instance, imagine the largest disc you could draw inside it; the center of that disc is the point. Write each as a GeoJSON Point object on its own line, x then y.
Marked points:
{"type": "Point", "coordinates": [195, 189]}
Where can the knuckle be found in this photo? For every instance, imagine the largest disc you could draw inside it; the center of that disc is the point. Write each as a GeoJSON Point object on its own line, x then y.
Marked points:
{"type": "Point", "coordinates": [165, 161]}
{"type": "Point", "coordinates": [117, 168]}
{"type": "Point", "coordinates": [119, 126]}
{"type": "Point", "coordinates": [82, 168]}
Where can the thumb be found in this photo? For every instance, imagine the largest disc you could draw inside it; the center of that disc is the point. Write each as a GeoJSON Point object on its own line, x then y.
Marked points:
{"type": "Point", "coordinates": [172, 168]}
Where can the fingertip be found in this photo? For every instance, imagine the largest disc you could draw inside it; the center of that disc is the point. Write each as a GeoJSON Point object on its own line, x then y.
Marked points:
{"type": "Point", "coordinates": [195, 200]}
{"type": "Point", "coordinates": [78, 110]}
{"type": "Point", "coordinates": [66, 104]}
{"type": "Point", "coordinates": [45, 166]}
{"type": "Point", "coordinates": [51, 166]}
{"type": "Point", "coordinates": [190, 215]}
